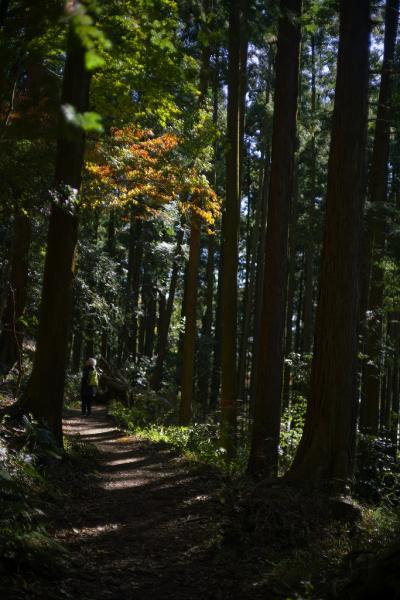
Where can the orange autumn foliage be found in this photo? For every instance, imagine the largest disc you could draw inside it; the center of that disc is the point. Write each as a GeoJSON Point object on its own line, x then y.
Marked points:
{"type": "Point", "coordinates": [135, 166]}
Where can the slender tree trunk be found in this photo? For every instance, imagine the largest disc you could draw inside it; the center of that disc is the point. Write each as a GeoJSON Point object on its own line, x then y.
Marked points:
{"type": "Point", "coordinates": [259, 283]}
{"type": "Point", "coordinates": [267, 410]}
{"type": "Point", "coordinates": [249, 295]}
{"type": "Point", "coordinates": [11, 336]}
{"type": "Point", "coordinates": [189, 342]}
{"type": "Point", "coordinates": [373, 270]}
{"type": "Point", "coordinates": [327, 448]}
{"type": "Point", "coordinates": [216, 368]}
{"type": "Point", "coordinates": [204, 374]}
{"type": "Point", "coordinates": [392, 416]}
{"type": "Point", "coordinates": [187, 381]}
{"type": "Point", "coordinates": [145, 309]}
{"type": "Point", "coordinates": [290, 299]}
{"type": "Point", "coordinates": [261, 245]}
{"type": "Point", "coordinates": [230, 233]}
{"type": "Point", "coordinates": [309, 266]}
{"type": "Point", "coordinates": [44, 394]}
{"type": "Point", "coordinates": [216, 343]}
{"type": "Point", "coordinates": [151, 319]}
{"type": "Point", "coordinates": [135, 286]}
{"type": "Point", "coordinates": [300, 305]}
{"type": "Point", "coordinates": [165, 325]}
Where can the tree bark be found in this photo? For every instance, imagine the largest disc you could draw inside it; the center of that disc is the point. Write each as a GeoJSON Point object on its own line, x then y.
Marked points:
{"type": "Point", "coordinates": [216, 342]}
{"type": "Point", "coordinates": [327, 448]}
{"type": "Point", "coordinates": [259, 283]}
{"type": "Point", "coordinates": [267, 409]}
{"type": "Point", "coordinates": [216, 368]}
{"type": "Point", "coordinates": [309, 266]}
{"type": "Point", "coordinates": [151, 319]}
{"type": "Point", "coordinates": [133, 300]}
{"type": "Point", "coordinates": [189, 342]}
{"type": "Point", "coordinates": [230, 233]}
{"type": "Point", "coordinates": [205, 346]}
{"type": "Point", "coordinates": [392, 420]}
{"type": "Point", "coordinates": [187, 383]}
{"type": "Point", "coordinates": [44, 394]}
{"type": "Point", "coordinates": [164, 327]}
{"type": "Point", "coordinates": [290, 299]}
{"type": "Point", "coordinates": [250, 286]}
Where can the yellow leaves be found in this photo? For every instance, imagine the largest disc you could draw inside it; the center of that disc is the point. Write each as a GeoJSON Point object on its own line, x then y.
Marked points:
{"type": "Point", "coordinates": [102, 172]}
{"type": "Point", "coordinates": [134, 165]}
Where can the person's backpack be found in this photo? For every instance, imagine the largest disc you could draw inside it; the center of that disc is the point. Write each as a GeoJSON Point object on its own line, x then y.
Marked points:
{"type": "Point", "coordinates": [93, 378]}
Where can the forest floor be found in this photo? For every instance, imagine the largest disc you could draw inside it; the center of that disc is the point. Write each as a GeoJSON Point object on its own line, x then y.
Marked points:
{"type": "Point", "coordinates": [149, 524]}
{"type": "Point", "coordinates": [142, 528]}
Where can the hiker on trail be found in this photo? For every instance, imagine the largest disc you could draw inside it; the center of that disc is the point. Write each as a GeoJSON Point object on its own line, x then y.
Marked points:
{"type": "Point", "coordinates": [89, 385]}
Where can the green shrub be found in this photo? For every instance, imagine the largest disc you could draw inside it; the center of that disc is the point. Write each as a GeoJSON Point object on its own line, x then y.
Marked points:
{"type": "Point", "coordinates": [292, 425]}
{"type": "Point", "coordinates": [39, 440]}
{"type": "Point", "coordinates": [377, 478]}
{"type": "Point", "coordinates": [24, 542]}
{"type": "Point", "coordinates": [198, 442]}
{"type": "Point", "coordinates": [79, 453]}
{"type": "Point", "coordinates": [72, 389]}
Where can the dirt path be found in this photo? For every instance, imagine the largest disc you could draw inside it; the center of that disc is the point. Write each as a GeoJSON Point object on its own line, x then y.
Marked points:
{"type": "Point", "coordinates": [143, 530]}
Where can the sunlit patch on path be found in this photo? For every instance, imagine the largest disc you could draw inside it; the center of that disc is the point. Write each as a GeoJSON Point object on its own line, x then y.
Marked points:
{"type": "Point", "coordinates": [144, 527]}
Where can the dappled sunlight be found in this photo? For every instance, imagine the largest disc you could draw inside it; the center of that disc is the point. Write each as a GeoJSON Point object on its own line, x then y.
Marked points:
{"type": "Point", "coordinates": [88, 532]}
{"type": "Point", "coordinates": [98, 430]}
{"type": "Point", "coordinates": [144, 509]}
{"type": "Point", "coordinates": [123, 461]}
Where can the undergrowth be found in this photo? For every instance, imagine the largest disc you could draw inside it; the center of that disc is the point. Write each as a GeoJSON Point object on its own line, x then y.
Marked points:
{"type": "Point", "coordinates": [24, 543]}
{"type": "Point", "coordinates": [33, 476]}
{"type": "Point", "coordinates": [294, 544]}
{"type": "Point", "coordinates": [198, 442]}
{"type": "Point", "coordinates": [288, 539]}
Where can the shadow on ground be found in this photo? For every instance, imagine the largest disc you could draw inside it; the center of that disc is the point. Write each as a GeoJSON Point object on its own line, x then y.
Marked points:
{"type": "Point", "coordinates": [144, 529]}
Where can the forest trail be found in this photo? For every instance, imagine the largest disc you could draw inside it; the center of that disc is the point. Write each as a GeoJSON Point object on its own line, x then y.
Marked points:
{"type": "Point", "coordinates": [143, 529]}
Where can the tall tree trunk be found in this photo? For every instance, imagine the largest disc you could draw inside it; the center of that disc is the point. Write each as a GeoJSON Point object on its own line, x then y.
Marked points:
{"type": "Point", "coordinates": [216, 368]}
{"type": "Point", "coordinates": [392, 419]}
{"type": "Point", "coordinates": [259, 283]}
{"type": "Point", "coordinates": [44, 394]}
{"type": "Point", "coordinates": [300, 305]}
{"type": "Point", "coordinates": [267, 410]}
{"type": "Point", "coordinates": [290, 299]}
{"type": "Point", "coordinates": [373, 270]}
{"type": "Point", "coordinates": [189, 342]}
{"type": "Point", "coordinates": [204, 374]}
{"type": "Point", "coordinates": [185, 410]}
{"type": "Point", "coordinates": [11, 336]}
{"type": "Point", "coordinates": [162, 341]}
{"type": "Point", "coordinates": [144, 309]}
{"type": "Point", "coordinates": [230, 233]}
{"type": "Point", "coordinates": [216, 343]}
{"type": "Point", "coordinates": [133, 297]}
{"type": "Point", "coordinates": [309, 266]}
{"type": "Point", "coordinates": [151, 319]}
{"type": "Point", "coordinates": [327, 448]}
{"type": "Point", "coordinates": [249, 294]}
